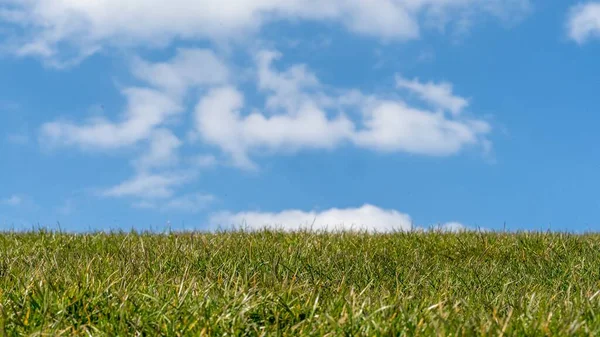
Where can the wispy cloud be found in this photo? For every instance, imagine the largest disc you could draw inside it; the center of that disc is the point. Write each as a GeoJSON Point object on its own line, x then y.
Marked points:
{"type": "Point", "coordinates": [189, 68]}
{"type": "Point", "coordinates": [203, 161]}
{"type": "Point", "coordinates": [162, 151]}
{"type": "Point", "coordinates": [439, 95]}
{"type": "Point", "coordinates": [149, 185]}
{"type": "Point", "coordinates": [146, 109]}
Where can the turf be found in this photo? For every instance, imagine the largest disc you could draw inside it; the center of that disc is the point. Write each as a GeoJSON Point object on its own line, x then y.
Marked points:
{"type": "Point", "coordinates": [273, 283]}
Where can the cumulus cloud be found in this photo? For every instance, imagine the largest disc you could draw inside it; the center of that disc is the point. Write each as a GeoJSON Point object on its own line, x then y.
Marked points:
{"type": "Point", "coordinates": [288, 89]}
{"type": "Point", "coordinates": [300, 112]}
{"type": "Point", "coordinates": [146, 109]}
{"type": "Point", "coordinates": [392, 126]}
{"type": "Point", "coordinates": [366, 217]}
{"type": "Point", "coordinates": [88, 25]}
{"type": "Point", "coordinates": [584, 22]}
{"type": "Point", "coordinates": [453, 227]}
{"type": "Point", "coordinates": [439, 95]}
{"type": "Point", "coordinates": [219, 122]}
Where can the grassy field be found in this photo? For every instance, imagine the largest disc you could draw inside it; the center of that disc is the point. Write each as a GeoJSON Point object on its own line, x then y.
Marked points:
{"type": "Point", "coordinates": [272, 283]}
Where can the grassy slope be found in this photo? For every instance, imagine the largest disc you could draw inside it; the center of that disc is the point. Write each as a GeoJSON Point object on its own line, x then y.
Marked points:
{"type": "Point", "coordinates": [353, 284]}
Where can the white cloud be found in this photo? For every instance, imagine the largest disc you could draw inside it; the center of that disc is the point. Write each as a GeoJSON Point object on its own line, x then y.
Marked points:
{"type": "Point", "coordinates": [299, 114]}
{"type": "Point", "coordinates": [162, 153]}
{"type": "Point", "coordinates": [289, 89]}
{"type": "Point", "coordinates": [89, 25]}
{"type": "Point", "coordinates": [12, 201]}
{"type": "Point", "coordinates": [220, 123]}
{"type": "Point", "coordinates": [453, 227]}
{"type": "Point", "coordinates": [439, 95]}
{"type": "Point", "coordinates": [299, 111]}
{"type": "Point", "coordinates": [146, 109]}
{"type": "Point", "coordinates": [584, 22]}
{"type": "Point", "coordinates": [189, 68]}
{"type": "Point", "coordinates": [203, 161]}
{"type": "Point", "coordinates": [367, 217]}
{"type": "Point", "coordinates": [393, 126]}
{"type": "Point", "coordinates": [146, 120]}
{"type": "Point", "coordinates": [149, 186]}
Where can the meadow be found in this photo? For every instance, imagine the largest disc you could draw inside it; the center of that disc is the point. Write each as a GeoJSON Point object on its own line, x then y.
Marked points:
{"type": "Point", "coordinates": [299, 284]}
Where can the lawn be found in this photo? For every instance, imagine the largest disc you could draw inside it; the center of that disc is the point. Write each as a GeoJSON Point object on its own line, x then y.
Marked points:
{"type": "Point", "coordinates": [275, 283]}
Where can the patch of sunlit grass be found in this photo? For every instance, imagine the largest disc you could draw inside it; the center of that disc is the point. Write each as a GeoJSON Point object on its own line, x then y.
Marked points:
{"type": "Point", "coordinates": [275, 283]}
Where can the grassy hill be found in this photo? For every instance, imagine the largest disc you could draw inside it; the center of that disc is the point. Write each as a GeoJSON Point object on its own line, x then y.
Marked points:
{"type": "Point", "coordinates": [274, 283]}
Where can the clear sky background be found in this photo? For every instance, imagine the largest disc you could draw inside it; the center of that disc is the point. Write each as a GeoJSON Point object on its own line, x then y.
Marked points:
{"type": "Point", "coordinates": [383, 114]}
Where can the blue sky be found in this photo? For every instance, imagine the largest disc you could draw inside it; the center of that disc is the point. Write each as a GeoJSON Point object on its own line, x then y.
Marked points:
{"type": "Point", "coordinates": [383, 114]}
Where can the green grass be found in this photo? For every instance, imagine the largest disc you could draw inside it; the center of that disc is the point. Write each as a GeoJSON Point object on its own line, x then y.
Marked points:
{"type": "Point", "coordinates": [272, 283]}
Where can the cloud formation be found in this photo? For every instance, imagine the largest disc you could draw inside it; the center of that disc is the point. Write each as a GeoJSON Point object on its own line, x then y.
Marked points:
{"type": "Point", "coordinates": [219, 122]}
{"type": "Point", "coordinates": [148, 186]}
{"type": "Point", "coordinates": [146, 109]}
{"type": "Point", "coordinates": [584, 22]}
{"type": "Point", "coordinates": [438, 95]}
{"type": "Point", "coordinates": [189, 68]}
{"type": "Point", "coordinates": [366, 217]}
{"type": "Point", "coordinates": [87, 26]}
{"type": "Point", "coordinates": [300, 112]}
{"type": "Point", "coordinates": [162, 151]}
{"type": "Point", "coordinates": [393, 126]}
